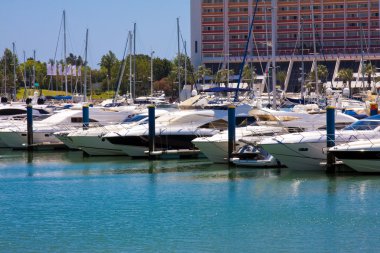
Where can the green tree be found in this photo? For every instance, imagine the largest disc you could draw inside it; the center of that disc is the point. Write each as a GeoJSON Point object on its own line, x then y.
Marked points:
{"type": "Point", "coordinates": [8, 60]}
{"type": "Point", "coordinates": [107, 62]}
{"type": "Point", "coordinates": [190, 73]}
{"type": "Point", "coordinates": [202, 72]}
{"type": "Point", "coordinates": [370, 70]}
{"type": "Point", "coordinates": [281, 77]}
{"type": "Point", "coordinates": [346, 75]}
{"type": "Point", "coordinates": [222, 76]}
{"type": "Point", "coordinates": [249, 74]}
{"type": "Point", "coordinates": [161, 68]}
{"type": "Point", "coordinates": [74, 60]}
{"type": "Point", "coordinates": [322, 74]}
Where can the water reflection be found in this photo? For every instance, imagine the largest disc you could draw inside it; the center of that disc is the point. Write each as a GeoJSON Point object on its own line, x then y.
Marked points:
{"type": "Point", "coordinates": [73, 163]}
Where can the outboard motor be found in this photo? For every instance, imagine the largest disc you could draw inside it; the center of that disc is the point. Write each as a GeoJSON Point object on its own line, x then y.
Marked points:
{"type": "Point", "coordinates": [40, 101]}
{"type": "Point", "coordinates": [28, 101]}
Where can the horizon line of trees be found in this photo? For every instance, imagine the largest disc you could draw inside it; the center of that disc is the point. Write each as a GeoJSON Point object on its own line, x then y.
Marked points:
{"type": "Point", "coordinates": [165, 74]}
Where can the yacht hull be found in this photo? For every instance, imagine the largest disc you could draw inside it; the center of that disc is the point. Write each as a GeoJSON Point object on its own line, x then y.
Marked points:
{"type": "Point", "coordinates": [215, 151]}
{"type": "Point", "coordinates": [298, 156]}
{"type": "Point", "coordinates": [359, 160]}
{"type": "Point", "coordinates": [19, 140]}
{"type": "Point", "coordinates": [96, 146]}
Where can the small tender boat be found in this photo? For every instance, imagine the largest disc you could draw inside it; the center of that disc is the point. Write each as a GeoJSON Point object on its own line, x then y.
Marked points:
{"type": "Point", "coordinates": [253, 156]}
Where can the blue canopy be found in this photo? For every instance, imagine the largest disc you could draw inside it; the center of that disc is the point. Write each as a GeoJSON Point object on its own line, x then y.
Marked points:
{"type": "Point", "coordinates": [224, 89]}
{"type": "Point", "coordinates": [63, 97]}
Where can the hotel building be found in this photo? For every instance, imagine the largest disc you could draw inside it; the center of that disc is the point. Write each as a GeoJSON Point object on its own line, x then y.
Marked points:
{"type": "Point", "coordinates": [336, 33]}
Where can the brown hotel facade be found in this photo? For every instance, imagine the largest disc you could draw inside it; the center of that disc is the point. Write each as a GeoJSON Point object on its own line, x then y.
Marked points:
{"type": "Point", "coordinates": [344, 32]}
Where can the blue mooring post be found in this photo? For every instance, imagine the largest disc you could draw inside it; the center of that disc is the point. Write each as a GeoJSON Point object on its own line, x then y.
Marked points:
{"type": "Point", "coordinates": [152, 129]}
{"type": "Point", "coordinates": [86, 117]}
{"type": "Point", "coordinates": [330, 122]}
{"type": "Point", "coordinates": [29, 122]}
{"type": "Point", "coordinates": [231, 131]}
{"type": "Point", "coordinates": [373, 109]}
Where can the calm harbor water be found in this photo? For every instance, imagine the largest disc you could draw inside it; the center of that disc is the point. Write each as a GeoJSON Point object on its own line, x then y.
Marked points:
{"type": "Point", "coordinates": [64, 202]}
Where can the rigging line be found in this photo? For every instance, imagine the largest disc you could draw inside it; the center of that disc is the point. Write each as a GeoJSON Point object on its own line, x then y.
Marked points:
{"type": "Point", "coordinates": [121, 69]}
{"type": "Point", "coordinates": [260, 62]}
{"type": "Point", "coordinates": [186, 58]}
{"type": "Point", "coordinates": [245, 52]}
{"type": "Point", "coordinates": [56, 49]}
{"type": "Point", "coordinates": [59, 35]}
{"type": "Point", "coordinates": [318, 39]}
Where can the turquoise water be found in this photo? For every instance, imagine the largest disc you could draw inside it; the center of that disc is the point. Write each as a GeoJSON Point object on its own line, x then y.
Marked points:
{"type": "Point", "coordinates": [62, 202]}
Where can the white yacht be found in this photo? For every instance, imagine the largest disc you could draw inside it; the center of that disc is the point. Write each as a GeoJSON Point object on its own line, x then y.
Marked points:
{"type": "Point", "coordinates": [362, 156]}
{"type": "Point", "coordinates": [269, 123]}
{"type": "Point", "coordinates": [16, 136]}
{"type": "Point", "coordinates": [174, 131]}
{"type": "Point", "coordinates": [92, 140]}
{"type": "Point", "coordinates": [305, 151]}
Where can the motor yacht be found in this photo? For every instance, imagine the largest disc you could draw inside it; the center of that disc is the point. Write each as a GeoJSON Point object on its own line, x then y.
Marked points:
{"type": "Point", "coordinates": [15, 136]}
{"type": "Point", "coordinates": [306, 150]}
{"type": "Point", "coordinates": [268, 123]}
{"type": "Point", "coordinates": [362, 156]}
{"type": "Point", "coordinates": [174, 130]}
{"type": "Point", "coordinates": [92, 140]}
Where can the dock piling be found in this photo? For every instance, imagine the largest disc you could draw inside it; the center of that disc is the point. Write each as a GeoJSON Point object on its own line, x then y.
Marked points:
{"type": "Point", "coordinates": [85, 117]}
{"type": "Point", "coordinates": [152, 129]}
{"type": "Point", "coordinates": [231, 131]}
{"type": "Point", "coordinates": [330, 122]}
{"type": "Point", "coordinates": [29, 122]}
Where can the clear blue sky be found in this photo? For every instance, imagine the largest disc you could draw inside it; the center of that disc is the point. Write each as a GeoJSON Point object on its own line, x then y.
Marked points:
{"type": "Point", "coordinates": [35, 24]}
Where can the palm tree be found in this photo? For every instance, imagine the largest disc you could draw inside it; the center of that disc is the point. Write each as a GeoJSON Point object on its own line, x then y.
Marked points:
{"type": "Point", "coordinates": [108, 61]}
{"type": "Point", "coordinates": [249, 74]}
{"type": "Point", "coordinates": [322, 74]}
{"type": "Point", "coordinates": [202, 72]}
{"type": "Point", "coordinates": [370, 70]}
{"type": "Point", "coordinates": [346, 75]}
{"type": "Point", "coordinates": [281, 77]}
{"type": "Point", "coordinates": [222, 76]}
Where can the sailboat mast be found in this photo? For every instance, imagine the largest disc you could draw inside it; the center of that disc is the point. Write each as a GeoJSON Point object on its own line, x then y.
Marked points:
{"type": "Point", "coordinates": [14, 71]}
{"type": "Point", "coordinates": [64, 49]}
{"type": "Point", "coordinates": [134, 61]}
{"type": "Point", "coordinates": [151, 74]}
{"type": "Point", "coordinates": [274, 46]}
{"type": "Point", "coordinates": [362, 55]}
{"type": "Point", "coordinates": [25, 92]}
{"type": "Point", "coordinates": [302, 64]}
{"type": "Point", "coordinates": [34, 67]}
{"type": "Point", "coordinates": [121, 73]}
{"type": "Point", "coordinates": [184, 44]}
{"type": "Point", "coordinates": [5, 73]}
{"type": "Point", "coordinates": [85, 69]}
{"type": "Point", "coordinates": [314, 47]}
{"type": "Point", "coordinates": [130, 63]}
{"type": "Point", "coordinates": [179, 63]}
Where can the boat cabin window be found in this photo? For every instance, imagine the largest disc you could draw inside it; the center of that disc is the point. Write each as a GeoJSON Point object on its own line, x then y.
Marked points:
{"type": "Point", "coordinates": [42, 111]}
{"type": "Point", "coordinates": [80, 120]}
{"type": "Point", "coordinates": [11, 111]}
{"type": "Point", "coordinates": [217, 124]}
{"type": "Point", "coordinates": [245, 120]}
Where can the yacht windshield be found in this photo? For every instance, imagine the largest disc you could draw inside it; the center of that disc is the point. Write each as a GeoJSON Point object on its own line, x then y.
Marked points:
{"type": "Point", "coordinates": [363, 125]}
{"type": "Point", "coordinates": [135, 118]}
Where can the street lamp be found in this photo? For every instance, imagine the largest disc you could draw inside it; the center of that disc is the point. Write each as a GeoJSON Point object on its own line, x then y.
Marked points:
{"type": "Point", "coordinates": [151, 73]}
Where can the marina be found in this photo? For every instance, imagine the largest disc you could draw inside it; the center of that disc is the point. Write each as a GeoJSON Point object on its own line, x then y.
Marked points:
{"type": "Point", "coordinates": [258, 130]}
{"type": "Point", "coordinates": [66, 202]}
